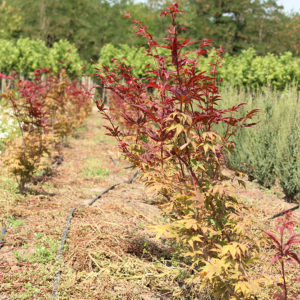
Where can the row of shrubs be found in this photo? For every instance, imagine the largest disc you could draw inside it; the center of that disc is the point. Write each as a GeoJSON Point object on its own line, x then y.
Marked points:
{"type": "Point", "coordinates": [270, 152]}
{"type": "Point", "coordinates": [25, 55]}
{"type": "Point", "coordinates": [244, 70]}
{"type": "Point", "coordinates": [46, 109]}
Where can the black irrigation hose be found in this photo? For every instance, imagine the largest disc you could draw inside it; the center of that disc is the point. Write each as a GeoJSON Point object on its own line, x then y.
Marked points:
{"type": "Point", "coordinates": [111, 158]}
{"type": "Point", "coordinates": [129, 167]}
{"type": "Point", "coordinates": [285, 212]}
{"type": "Point", "coordinates": [57, 278]}
{"type": "Point", "coordinates": [104, 192]}
{"type": "Point", "coordinates": [3, 232]}
{"type": "Point", "coordinates": [130, 180]}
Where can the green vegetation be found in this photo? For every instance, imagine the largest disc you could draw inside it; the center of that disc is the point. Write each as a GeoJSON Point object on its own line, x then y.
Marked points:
{"type": "Point", "coordinates": [92, 169]}
{"type": "Point", "coordinates": [246, 69]}
{"type": "Point", "coordinates": [270, 152]}
{"type": "Point", "coordinates": [25, 56]}
{"type": "Point", "coordinates": [89, 25]}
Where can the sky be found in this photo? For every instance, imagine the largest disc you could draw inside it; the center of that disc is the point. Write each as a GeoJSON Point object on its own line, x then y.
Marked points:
{"type": "Point", "coordinates": [290, 5]}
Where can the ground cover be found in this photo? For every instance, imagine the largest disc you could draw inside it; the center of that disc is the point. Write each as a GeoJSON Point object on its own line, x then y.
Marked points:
{"type": "Point", "coordinates": [109, 252]}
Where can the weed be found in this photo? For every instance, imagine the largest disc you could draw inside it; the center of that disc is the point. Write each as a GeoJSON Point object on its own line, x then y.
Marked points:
{"type": "Point", "coordinates": [92, 169]}
{"type": "Point", "coordinates": [95, 172]}
{"type": "Point", "coordinates": [14, 223]}
{"type": "Point", "coordinates": [45, 250]}
{"type": "Point", "coordinates": [30, 292]}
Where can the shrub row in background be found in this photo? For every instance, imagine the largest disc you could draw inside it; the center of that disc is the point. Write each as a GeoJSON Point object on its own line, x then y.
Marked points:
{"type": "Point", "coordinates": [25, 55]}
{"type": "Point", "coordinates": [246, 69]}
{"type": "Point", "coordinates": [269, 152]}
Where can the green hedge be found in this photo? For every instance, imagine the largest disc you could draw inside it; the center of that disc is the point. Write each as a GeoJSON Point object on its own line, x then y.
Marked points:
{"type": "Point", "coordinates": [269, 151]}
{"type": "Point", "coordinates": [25, 55]}
{"type": "Point", "coordinates": [243, 70]}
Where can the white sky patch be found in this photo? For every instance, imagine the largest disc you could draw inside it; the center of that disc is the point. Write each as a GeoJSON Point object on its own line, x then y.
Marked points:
{"type": "Point", "coordinates": [290, 5]}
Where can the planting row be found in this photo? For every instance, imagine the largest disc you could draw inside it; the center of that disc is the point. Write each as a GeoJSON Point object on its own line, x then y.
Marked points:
{"type": "Point", "coordinates": [25, 55]}
{"type": "Point", "coordinates": [270, 152]}
{"type": "Point", "coordinates": [44, 111]}
{"type": "Point", "coordinates": [244, 70]}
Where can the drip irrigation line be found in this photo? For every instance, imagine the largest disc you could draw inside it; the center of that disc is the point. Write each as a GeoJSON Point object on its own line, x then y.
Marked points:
{"type": "Point", "coordinates": [129, 167]}
{"type": "Point", "coordinates": [285, 212]}
{"type": "Point", "coordinates": [3, 232]}
{"type": "Point", "coordinates": [130, 180]}
{"type": "Point", "coordinates": [111, 158]}
{"type": "Point", "coordinates": [57, 278]}
{"type": "Point", "coordinates": [104, 192]}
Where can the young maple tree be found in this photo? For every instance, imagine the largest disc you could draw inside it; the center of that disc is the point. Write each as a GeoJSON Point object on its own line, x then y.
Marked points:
{"type": "Point", "coordinates": [171, 117]}
{"type": "Point", "coordinates": [284, 253]}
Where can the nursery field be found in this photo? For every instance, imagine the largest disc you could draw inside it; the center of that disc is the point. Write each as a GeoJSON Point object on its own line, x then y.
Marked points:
{"type": "Point", "coordinates": [110, 253]}
{"type": "Point", "coordinates": [165, 172]}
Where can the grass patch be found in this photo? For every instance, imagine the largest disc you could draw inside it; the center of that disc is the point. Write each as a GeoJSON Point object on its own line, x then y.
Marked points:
{"type": "Point", "coordinates": [92, 169]}
{"type": "Point", "coordinates": [14, 223]}
{"type": "Point", "coordinates": [92, 172]}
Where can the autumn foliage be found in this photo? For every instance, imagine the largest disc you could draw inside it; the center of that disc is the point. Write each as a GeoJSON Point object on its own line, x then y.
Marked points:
{"type": "Point", "coordinates": [47, 110]}
{"type": "Point", "coordinates": [171, 118]}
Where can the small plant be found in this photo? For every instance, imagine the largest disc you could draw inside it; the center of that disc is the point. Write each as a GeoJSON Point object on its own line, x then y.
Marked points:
{"type": "Point", "coordinates": [283, 245]}
{"type": "Point", "coordinates": [14, 223]}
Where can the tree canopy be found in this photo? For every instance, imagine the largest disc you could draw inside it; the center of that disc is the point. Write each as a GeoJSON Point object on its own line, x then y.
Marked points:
{"type": "Point", "coordinates": [90, 24]}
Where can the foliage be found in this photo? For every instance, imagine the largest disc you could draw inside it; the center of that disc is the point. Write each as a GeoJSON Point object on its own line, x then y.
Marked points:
{"type": "Point", "coordinates": [289, 164]}
{"type": "Point", "coordinates": [27, 55]}
{"type": "Point", "coordinates": [172, 116]}
{"type": "Point", "coordinates": [245, 69]}
{"type": "Point", "coordinates": [270, 153]}
{"type": "Point", "coordinates": [236, 25]}
{"type": "Point", "coordinates": [63, 55]}
{"type": "Point", "coordinates": [249, 69]}
{"type": "Point", "coordinates": [284, 254]}
{"type": "Point", "coordinates": [46, 109]}
{"type": "Point", "coordinates": [10, 20]}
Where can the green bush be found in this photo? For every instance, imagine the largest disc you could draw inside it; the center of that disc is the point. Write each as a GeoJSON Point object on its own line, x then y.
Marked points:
{"type": "Point", "coordinates": [25, 56]}
{"type": "Point", "coordinates": [289, 163]}
{"type": "Point", "coordinates": [244, 70]}
{"type": "Point", "coordinates": [270, 151]}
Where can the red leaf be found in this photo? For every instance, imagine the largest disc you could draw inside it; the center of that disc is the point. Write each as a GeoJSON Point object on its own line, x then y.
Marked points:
{"type": "Point", "coordinates": [273, 237]}
{"type": "Point", "coordinates": [295, 256]}
{"type": "Point", "coordinates": [293, 240]}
